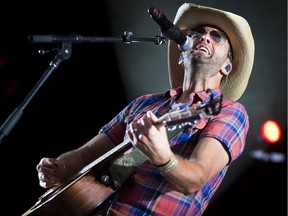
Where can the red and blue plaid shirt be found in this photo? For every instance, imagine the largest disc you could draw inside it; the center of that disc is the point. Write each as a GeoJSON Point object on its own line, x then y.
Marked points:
{"type": "Point", "coordinates": [149, 193]}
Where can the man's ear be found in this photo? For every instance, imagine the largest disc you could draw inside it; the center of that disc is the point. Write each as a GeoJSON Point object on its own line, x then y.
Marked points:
{"type": "Point", "coordinates": [226, 69]}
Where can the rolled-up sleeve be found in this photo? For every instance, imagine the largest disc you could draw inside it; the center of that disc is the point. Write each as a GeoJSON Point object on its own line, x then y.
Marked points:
{"type": "Point", "coordinates": [230, 127]}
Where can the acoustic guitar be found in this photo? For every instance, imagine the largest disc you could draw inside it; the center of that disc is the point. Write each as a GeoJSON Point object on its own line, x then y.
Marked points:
{"type": "Point", "coordinates": [88, 191]}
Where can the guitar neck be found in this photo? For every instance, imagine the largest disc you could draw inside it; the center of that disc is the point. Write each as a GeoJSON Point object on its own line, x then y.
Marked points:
{"type": "Point", "coordinates": [114, 152]}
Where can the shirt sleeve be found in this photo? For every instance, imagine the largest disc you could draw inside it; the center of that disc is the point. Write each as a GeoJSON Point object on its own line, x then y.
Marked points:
{"type": "Point", "coordinates": [116, 128]}
{"type": "Point", "coordinates": [230, 127]}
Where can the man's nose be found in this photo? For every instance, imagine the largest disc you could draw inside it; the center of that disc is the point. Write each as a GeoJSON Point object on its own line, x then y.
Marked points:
{"type": "Point", "coordinates": [206, 37]}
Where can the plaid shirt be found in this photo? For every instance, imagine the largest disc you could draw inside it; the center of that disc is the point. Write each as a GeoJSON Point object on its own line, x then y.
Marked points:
{"type": "Point", "coordinates": [149, 193]}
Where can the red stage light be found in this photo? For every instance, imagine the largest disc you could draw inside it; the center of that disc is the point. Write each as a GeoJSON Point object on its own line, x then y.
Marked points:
{"type": "Point", "coordinates": [271, 131]}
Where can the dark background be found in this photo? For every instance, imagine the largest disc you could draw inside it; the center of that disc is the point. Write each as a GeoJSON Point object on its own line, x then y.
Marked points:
{"type": "Point", "coordinates": [99, 79]}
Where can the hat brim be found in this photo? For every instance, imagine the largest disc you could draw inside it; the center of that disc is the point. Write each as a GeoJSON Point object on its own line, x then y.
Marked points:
{"type": "Point", "coordinates": [189, 16]}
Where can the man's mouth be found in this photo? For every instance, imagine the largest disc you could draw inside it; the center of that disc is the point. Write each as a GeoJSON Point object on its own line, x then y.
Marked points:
{"type": "Point", "coordinates": [203, 48]}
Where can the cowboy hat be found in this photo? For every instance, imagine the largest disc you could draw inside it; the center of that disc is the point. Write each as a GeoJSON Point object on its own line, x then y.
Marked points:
{"type": "Point", "coordinates": [190, 15]}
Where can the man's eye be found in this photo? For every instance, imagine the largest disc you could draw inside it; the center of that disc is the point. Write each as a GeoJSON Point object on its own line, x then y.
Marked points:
{"type": "Point", "coordinates": [196, 34]}
{"type": "Point", "coordinates": [216, 37]}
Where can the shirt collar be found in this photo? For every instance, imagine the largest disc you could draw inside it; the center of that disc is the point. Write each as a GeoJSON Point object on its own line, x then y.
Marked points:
{"type": "Point", "coordinates": [202, 96]}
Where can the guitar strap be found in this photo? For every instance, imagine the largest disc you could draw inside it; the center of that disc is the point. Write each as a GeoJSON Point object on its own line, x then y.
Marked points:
{"type": "Point", "coordinates": [124, 167]}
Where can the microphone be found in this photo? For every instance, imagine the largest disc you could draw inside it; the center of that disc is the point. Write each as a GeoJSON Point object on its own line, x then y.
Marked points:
{"type": "Point", "coordinates": [171, 31]}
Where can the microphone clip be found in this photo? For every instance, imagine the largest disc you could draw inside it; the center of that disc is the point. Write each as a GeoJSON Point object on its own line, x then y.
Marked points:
{"type": "Point", "coordinates": [127, 38]}
{"type": "Point", "coordinates": [158, 40]}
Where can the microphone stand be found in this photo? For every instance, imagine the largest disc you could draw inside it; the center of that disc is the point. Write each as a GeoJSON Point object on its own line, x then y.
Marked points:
{"type": "Point", "coordinates": [64, 53]}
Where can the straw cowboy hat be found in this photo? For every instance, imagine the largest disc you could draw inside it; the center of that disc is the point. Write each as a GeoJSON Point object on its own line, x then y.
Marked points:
{"type": "Point", "coordinates": [191, 15]}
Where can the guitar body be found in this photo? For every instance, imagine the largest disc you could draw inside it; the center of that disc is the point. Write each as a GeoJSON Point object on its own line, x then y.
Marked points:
{"type": "Point", "coordinates": [84, 193]}
{"type": "Point", "coordinates": [81, 197]}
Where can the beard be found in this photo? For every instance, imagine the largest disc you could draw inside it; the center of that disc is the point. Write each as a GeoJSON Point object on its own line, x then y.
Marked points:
{"type": "Point", "coordinates": [203, 66]}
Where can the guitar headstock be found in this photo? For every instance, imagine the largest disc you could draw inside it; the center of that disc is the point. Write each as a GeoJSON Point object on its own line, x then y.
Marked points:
{"type": "Point", "coordinates": [189, 116]}
{"type": "Point", "coordinates": [213, 106]}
